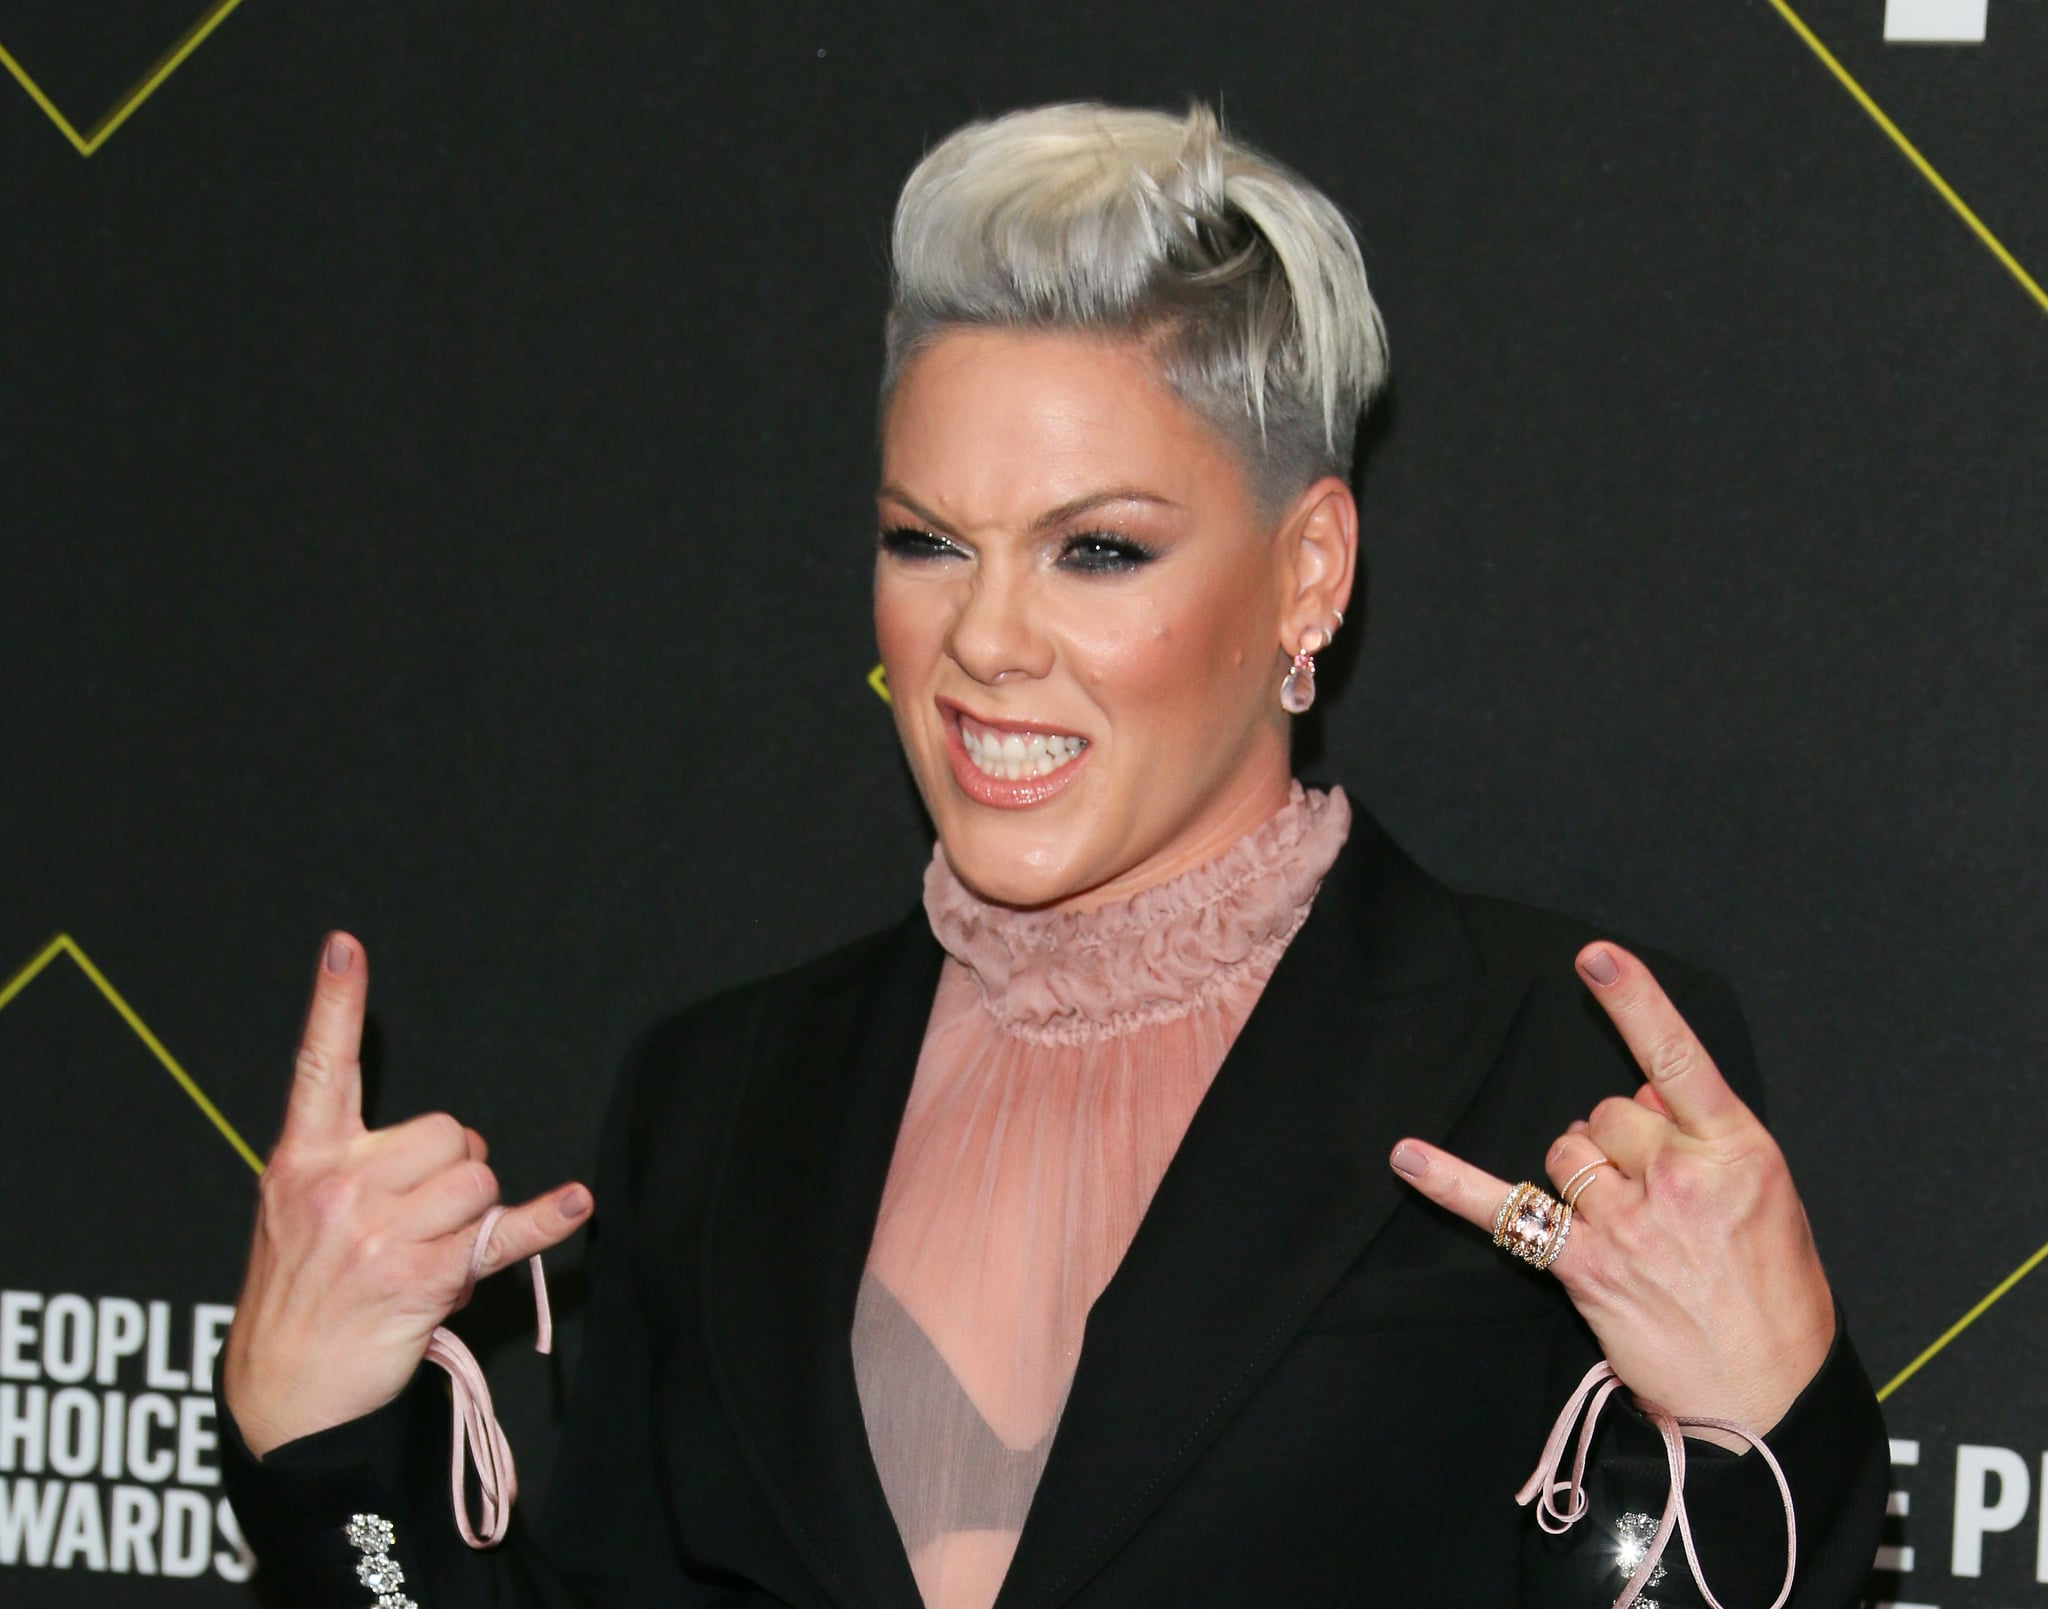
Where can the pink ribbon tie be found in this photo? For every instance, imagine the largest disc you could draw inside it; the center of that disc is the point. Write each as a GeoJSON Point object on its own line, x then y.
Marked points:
{"type": "Point", "coordinates": [1544, 1486]}
{"type": "Point", "coordinates": [477, 1433]}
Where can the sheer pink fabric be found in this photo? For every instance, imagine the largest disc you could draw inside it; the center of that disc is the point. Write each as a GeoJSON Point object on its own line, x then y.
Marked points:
{"type": "Point", "coordinates": [1065, 1055]}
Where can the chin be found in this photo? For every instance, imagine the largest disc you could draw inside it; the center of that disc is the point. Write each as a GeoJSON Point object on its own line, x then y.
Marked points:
{"type": "Point", "coordinates": [1011, 868]}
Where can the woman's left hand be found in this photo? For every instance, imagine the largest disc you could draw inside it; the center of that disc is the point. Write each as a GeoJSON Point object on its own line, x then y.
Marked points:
{"type": "Point", "coordinates": [1690, 1256]}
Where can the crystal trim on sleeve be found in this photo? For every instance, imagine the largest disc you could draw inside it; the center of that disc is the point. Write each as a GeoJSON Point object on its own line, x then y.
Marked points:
{"type": "Point", "coordinates": [1634, 1533]}
{"type": "Point", "coordinates": [372, 1536]}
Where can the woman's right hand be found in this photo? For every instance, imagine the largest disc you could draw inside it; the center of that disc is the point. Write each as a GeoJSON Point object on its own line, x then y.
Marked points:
{"type": "Point", "coordinates": [363, 1237]}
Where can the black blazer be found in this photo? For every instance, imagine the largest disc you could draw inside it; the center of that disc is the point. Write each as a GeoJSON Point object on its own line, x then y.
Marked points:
{"type": "Point", "coordinates": [1304, 1384]}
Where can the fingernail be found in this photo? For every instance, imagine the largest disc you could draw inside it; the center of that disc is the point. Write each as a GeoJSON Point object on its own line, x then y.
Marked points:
{"type": "Point", "coordinates": [573, 1204]}
{"type": "Point", "coordinates": [339, 954]}
{"type": "Point", "coordinates": [1408, 1162]}
{"type": "Point", "coordinates": [1600, 967]}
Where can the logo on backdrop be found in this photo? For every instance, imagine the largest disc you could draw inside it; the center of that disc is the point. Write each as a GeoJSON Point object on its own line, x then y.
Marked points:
{"type": "Point", "coordinates": [1966, 1523]}
{"type": "Point", "coordinates": [107, 1438]}
{"type": "Point", "coordinates": [125, 1217]}
{"type": "Point", "coordinates": [1935, 22]}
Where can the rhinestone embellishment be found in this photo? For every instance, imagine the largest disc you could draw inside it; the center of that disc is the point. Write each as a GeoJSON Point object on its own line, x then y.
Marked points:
{"type": "Point", "coordinates": [1634, 1533]}
{"type": "Point", "coordinates": [372, 1536]}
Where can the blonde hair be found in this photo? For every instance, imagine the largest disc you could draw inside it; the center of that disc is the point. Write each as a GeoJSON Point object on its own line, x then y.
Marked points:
{"type": "Point", "coordinates": [1243, 279]}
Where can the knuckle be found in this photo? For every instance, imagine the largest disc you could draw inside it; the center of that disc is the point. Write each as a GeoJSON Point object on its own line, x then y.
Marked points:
{"type": "Point", "coordinates": [370, 1253]}
{"type": "Point", "coordinates": [1607, 1114]}
{"type": "Point", "coordinates": [444, 1133]}
{"type": "Point", "coordinates": [1672, 1053]}
{"type": "Point", "coordinates": [332, 1200]}
{"type": "Point", "coordinates": [279, 1181]}
{"type": "Point", "coordinates": [1676, 1183]}
{"type": "Point", "coordinates": [285, 1169]}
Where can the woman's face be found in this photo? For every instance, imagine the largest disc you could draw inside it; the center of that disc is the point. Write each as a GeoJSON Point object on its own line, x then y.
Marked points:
{"type": "Point", "coordinates": [1081, 613]}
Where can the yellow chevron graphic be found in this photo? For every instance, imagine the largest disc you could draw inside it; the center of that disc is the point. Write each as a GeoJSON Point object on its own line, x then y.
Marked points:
{"type": "Point", "coordinates": [1963, 1323]}
{"type": "Point", "coordinates": [123, 109]}
{"type": "Point", "coordinates": [62, 945]}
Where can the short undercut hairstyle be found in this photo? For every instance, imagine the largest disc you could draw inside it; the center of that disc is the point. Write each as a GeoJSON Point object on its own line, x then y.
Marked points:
{"type": "Point", "coordinates": [1242, 279]}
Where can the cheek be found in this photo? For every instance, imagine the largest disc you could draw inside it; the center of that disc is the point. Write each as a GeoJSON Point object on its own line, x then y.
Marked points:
{"type": "Point", "coordinates": [1186, 663]}
{"type": "Point", "coordinates": [910, 643]}
{"type": "Point", "coordinates": [909, 629]}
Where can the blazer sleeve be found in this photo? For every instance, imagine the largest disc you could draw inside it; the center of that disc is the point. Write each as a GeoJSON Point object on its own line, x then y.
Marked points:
{"type": "Point", "coordinates": [1830, 1443]}
{"type": "Point", "coordinates": [602, 1543]}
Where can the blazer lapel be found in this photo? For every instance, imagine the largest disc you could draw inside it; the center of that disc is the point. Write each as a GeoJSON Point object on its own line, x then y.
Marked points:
{"type": "Point", "coordinates": [793, 1213]}
{"type": "Point", "coordinates": [1378, 1021]}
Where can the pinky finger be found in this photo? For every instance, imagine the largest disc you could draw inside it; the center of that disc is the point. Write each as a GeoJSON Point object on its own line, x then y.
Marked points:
{"type": "Point", "coordinates": [1452, 1183]}
{"type": "Point", "coordinates": [531, 1228]}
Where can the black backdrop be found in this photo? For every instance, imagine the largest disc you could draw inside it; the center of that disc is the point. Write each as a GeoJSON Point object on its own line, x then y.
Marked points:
{"type": "Point", "coordinates": [435, 456]}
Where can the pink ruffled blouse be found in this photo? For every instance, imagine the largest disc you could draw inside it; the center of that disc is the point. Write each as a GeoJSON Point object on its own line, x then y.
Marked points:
{"type": "Point", "coordinates": [1064, 1058]}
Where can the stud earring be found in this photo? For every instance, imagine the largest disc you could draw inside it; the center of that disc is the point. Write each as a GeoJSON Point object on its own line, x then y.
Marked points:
{"type": "Point", "coordinates": [1298, 691]}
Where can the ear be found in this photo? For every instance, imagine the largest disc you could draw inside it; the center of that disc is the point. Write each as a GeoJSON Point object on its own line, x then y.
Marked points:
{"type": "Point", "coordinates": [1319, 555]}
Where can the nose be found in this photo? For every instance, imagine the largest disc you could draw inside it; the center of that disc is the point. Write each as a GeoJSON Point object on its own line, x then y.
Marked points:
{"type": "Point", "coordinates": [996, 635]}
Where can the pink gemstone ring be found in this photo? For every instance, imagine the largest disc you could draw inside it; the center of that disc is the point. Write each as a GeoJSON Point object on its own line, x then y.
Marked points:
{"type": "Point", "coordinates": [1532, 1224]}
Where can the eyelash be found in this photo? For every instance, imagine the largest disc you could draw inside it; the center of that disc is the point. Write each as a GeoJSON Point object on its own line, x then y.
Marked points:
{"type": "Point", "coordinates": [1089, 552]}
{"type": "Point", "coordinates": [908, 542]}
{"type": "Point", "coordinates": [1104, 553]}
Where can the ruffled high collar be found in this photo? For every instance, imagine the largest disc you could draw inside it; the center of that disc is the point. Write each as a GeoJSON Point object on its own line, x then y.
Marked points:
{"type": "Point", "coordinates": [1161, 953]}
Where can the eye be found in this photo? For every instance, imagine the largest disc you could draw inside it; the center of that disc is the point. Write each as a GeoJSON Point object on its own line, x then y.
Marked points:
{"type": "Point", "coordinates": [910, 542]}
{"type": "Point", "coordinates": [1103, 553]}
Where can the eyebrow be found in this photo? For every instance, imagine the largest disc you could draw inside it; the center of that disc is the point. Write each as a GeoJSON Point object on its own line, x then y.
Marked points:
{"type": "Point", "coordinates": [1044, 522]}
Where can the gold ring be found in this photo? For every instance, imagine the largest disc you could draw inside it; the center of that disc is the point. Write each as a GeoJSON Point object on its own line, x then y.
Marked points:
{"type": "Point", "coordinates": [1532, 1224]}
{"type": "Point", "coordinates": [1585, 1174]}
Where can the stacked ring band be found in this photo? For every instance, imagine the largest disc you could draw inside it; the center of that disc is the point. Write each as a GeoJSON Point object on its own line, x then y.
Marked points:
{"type": "Point", "coordinates": [1532, 1224]}
{"type": "Point", "coordinates": [1583, 1178]}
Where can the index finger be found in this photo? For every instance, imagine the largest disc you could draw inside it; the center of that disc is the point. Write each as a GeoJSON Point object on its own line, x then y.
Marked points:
{"type": "Point", "coordinates": [327, 1077]}
{"type": "Point", "coordinates": [1680, 1071]}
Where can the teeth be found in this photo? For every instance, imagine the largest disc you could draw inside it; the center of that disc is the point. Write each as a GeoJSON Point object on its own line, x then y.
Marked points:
{"type": "Point", "coordinates": [1015, 755]}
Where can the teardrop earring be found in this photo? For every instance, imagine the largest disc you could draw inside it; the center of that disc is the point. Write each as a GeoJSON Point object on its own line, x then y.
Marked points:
{"type": "Point", "coordinates": [1298, 691]}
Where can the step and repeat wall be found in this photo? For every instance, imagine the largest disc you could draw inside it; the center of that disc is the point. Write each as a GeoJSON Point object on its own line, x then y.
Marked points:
{"type": "Point", "coordinates": [435, 456]}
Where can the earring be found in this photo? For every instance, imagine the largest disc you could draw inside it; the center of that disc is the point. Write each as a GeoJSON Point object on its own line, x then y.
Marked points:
{"type": "Point", "coordinates": [1298, 691]}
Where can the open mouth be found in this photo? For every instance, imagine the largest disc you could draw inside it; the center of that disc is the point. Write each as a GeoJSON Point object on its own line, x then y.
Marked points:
{"type": "Point", "coordinates": [1012, 766]}
{"type": "Point", "coordinates": [1012, 753]}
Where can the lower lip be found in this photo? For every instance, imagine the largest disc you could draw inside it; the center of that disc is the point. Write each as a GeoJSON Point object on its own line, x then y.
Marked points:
{"type": "Point", "coordinates": [1001, 792]}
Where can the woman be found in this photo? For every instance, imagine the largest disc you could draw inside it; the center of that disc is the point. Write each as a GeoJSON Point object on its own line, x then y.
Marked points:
{"type": "Point", "coordinates": [1045, 1248]}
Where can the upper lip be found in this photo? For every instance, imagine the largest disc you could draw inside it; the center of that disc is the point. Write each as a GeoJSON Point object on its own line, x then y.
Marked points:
{"type": "Point", "coordinates": [1010, 723]}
